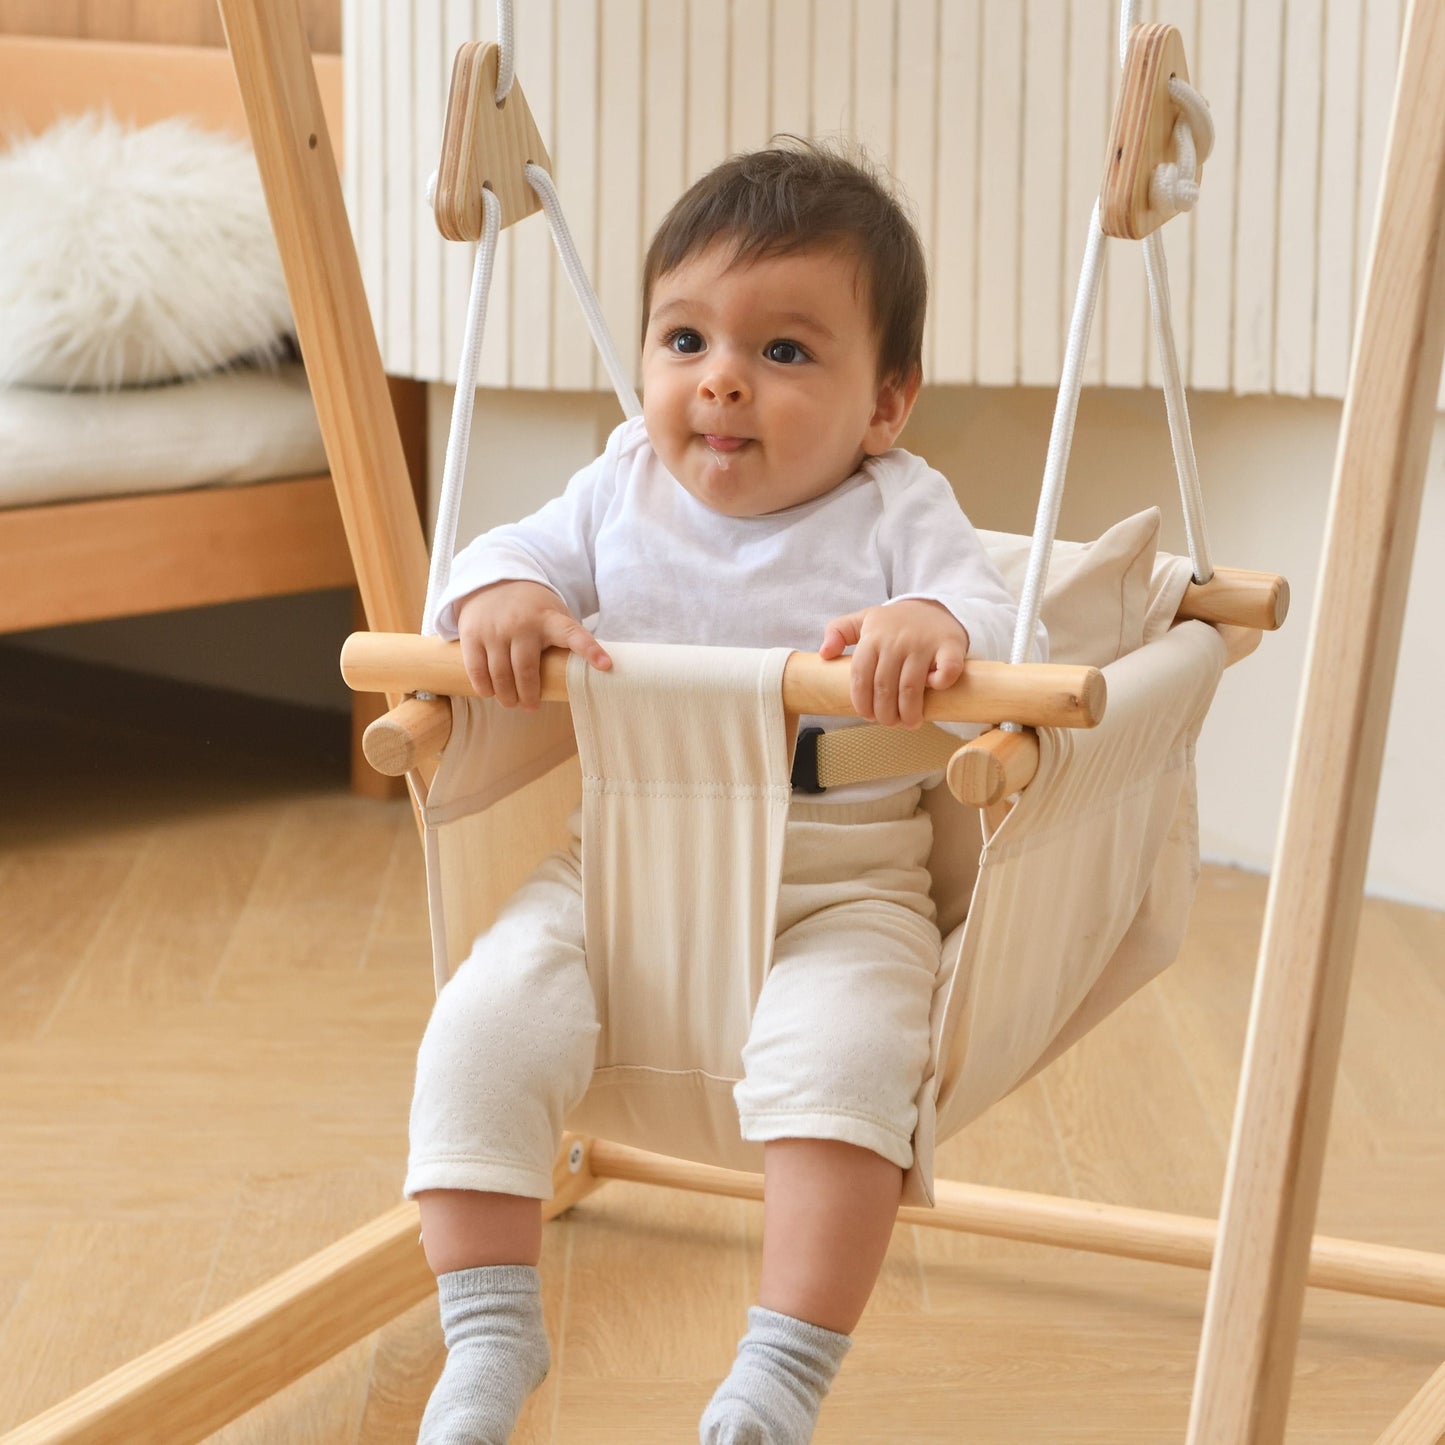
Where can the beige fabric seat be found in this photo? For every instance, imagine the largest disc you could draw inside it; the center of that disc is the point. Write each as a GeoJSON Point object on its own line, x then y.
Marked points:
{"type": "Point", "coordinates": [1076, 901]}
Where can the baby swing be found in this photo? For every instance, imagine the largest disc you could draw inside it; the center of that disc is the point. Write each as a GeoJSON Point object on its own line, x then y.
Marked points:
{"type": "Point", "coordinates": [1103, 822]}
{"type": "Point", "coordinates": [1020, 982]}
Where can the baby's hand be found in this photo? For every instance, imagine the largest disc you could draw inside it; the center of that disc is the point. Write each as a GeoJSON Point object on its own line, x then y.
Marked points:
{"type": "Point", "coordinates": [898, 651]}
{"type": "Point", "coordinates": [504, 629]}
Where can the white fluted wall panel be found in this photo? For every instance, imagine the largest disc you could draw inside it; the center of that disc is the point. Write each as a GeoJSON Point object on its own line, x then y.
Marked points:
{"type": "Point", "coordinates": [993, 114]}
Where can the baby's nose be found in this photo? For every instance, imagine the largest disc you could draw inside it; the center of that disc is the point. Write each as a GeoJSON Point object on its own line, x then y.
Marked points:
{"type": "Point", "coordinates": [722, 384]}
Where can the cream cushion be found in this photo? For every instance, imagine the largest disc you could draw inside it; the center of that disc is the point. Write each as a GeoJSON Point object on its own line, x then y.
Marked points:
{"type": "Point", "coordinates": [1097, 598]}
{"type": "Point", "coordinates": [230, 427]}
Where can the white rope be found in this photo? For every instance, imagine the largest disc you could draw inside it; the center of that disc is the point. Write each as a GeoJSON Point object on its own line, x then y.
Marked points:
{"type": "Point", "coordinates": [444, 538]}
{"type": "Point", "coordinates": [546, 188]}
{"type": "Point", "coordinates": [1066, 410]}
{"type": "Point", "coordinates": [1194, 137]}
{"type": "Point", "coordinates": [1128, 18]}
{"type": "Point", "coordinates": [1061, 438]}
{"type": "Point", "coordinates": [1176, 404]}
{"type": "Point", "coordinates": [1196, 112]}
{"type": "Point", "coordinates": [507, 50]}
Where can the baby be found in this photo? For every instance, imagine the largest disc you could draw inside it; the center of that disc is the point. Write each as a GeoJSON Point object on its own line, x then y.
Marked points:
{"type": "Point", "coordinates": [759, 501]}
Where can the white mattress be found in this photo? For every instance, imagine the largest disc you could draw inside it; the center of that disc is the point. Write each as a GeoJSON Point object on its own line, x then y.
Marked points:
{"type": "Point", "coordinates": [240, 426]}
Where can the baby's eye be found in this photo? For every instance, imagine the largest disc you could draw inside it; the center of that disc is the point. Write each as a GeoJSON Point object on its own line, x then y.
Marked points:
{"type": "Point", "coordinates": [685, 342]}
{"type": "Point", "coordinates": [785, 353]}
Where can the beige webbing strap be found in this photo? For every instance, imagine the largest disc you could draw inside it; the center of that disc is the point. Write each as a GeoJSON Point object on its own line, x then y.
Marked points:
{"type": "Point", "coordinates": [864, 754]}
{"type": "Point", "coordinates": [685, 798]}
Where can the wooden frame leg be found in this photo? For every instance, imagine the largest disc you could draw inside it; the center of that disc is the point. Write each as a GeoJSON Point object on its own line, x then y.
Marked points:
{"type": "Point", "coordinates": [1251, 1329]}
{"type": "Point", "coordinates": [356, 406]}
{"type": "Point", "coordinates": [408, 404]}
{"type": "Point", "coordinates": [190, 1386]}
{"type": "Point", "coordinates": [1422, 1421]}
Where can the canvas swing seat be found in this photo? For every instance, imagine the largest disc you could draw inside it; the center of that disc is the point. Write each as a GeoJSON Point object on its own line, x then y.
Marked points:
{"type": "Point", "coordinates": [1077, 899]}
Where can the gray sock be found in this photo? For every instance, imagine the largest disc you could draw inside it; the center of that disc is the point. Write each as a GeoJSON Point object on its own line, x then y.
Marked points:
{"type": "Point", "coordinates": [776, 1388]}
{"type": "Point", "coordinates": [497, 1354]}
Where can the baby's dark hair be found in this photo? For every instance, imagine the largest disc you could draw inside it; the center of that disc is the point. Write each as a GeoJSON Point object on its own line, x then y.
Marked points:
{"type": "Point", "coordinates": [796, 196]}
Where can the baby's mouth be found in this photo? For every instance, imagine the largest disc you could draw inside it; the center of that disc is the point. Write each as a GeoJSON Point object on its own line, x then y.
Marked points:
{"type": "Point", "coordinates": [725, 444]}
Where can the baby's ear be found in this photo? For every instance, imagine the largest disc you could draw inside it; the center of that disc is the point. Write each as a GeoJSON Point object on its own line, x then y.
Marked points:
{"type": "Point", "coordinates": [895, 402]}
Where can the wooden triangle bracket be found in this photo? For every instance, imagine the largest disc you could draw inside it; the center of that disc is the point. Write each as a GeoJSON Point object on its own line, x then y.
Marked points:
{"type": "Point", "coordinates": [485, 146]}
{"type": "Point", "coordinates": [1141, 137]}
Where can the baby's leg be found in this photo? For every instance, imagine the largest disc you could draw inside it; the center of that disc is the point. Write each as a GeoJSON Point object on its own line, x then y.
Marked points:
{"type": "Point", "coordinates": [508, 1051]}
{"type": "Point", "coordinates": [828, 1215]}
{"type": "Point", "coordinates": [834, 1061]}
{"type": "Point", "coordinates": [827, 1218]}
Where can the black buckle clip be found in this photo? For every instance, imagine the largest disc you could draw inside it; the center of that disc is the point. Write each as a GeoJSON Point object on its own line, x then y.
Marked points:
{"type": "Point", "coordinates": [805, 762]}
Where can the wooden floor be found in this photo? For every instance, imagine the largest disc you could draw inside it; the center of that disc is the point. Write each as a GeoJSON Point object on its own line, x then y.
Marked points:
{"type": "Point", "coordinates": [213, 977]}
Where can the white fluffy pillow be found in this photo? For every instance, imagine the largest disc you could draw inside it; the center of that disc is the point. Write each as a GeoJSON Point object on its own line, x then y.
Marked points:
{"type": "Point", "coordinates": [133, 256]}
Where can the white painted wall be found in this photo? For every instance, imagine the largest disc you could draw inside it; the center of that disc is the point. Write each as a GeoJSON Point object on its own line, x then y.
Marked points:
{"type": "Point", "coordinates": [993, 115]}
{"type": "Point", "coordinates": [1267, 465]}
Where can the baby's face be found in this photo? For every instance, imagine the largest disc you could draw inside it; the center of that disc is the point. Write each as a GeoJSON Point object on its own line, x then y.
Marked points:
{"type": "Point", "coordinates": [760, 385]}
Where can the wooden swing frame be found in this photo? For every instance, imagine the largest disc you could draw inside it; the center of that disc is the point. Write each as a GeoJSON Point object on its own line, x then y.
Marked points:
{"type": "Point", "coordinates": [1261, 1253]}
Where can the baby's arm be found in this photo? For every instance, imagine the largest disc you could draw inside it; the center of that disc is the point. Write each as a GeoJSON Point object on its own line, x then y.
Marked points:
{"type": "Point", "coordinates": [948, 600]}
{"type": "Point", "coordinates": [505, 627]}
{"type": "Point", "coordinates": [899, 651]}
{"type": "Point", "coordinates": [521, 587]}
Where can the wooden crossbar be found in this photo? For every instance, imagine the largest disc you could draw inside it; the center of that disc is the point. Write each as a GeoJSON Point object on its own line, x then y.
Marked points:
{"type": "Point", "coordinates": [1038, 694]}
{"type": "Point", "coordinates": [188, 1387]}
{"type": "Point", "coordinates": [982, 773]}
{"type": "Point", "coordinates": [1240, 603]}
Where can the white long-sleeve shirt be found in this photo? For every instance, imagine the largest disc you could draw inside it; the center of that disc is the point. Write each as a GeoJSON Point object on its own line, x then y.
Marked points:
{"type": "Point", "coordinates": [636, 558]}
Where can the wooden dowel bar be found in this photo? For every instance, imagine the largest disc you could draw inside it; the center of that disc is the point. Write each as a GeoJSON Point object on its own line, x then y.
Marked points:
{"type": "Point", "coordinates": [1238, 597]}
{"type": "Point", "coordinates": [413, 732]}
{"type": "Point", "coordinates": [995, 766]}
{"type": "Point", "coordinates": [1036, 694]}
{"type": "Point", "coordinates": [982, 773]}
{"type": "Point", "coordinates": [1335, 1264]}
{"type": "Point", "coordinates": [990, 768]}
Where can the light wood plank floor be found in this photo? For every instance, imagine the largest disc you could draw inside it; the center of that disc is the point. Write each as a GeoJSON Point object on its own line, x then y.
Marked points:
{"type": "Point", "coordinates": [213, 976]}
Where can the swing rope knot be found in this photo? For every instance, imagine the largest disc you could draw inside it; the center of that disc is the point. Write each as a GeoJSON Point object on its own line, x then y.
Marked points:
{"type": "Point", "coordinates": [1174, 186]}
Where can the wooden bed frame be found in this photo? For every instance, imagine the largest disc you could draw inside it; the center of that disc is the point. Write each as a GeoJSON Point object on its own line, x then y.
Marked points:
{"type": "Point", "coordinates": [82, 561]}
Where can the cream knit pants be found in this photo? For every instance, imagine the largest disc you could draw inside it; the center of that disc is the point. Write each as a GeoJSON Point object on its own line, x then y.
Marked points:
{"type": "Point", "coordinates": [840, 1028]}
